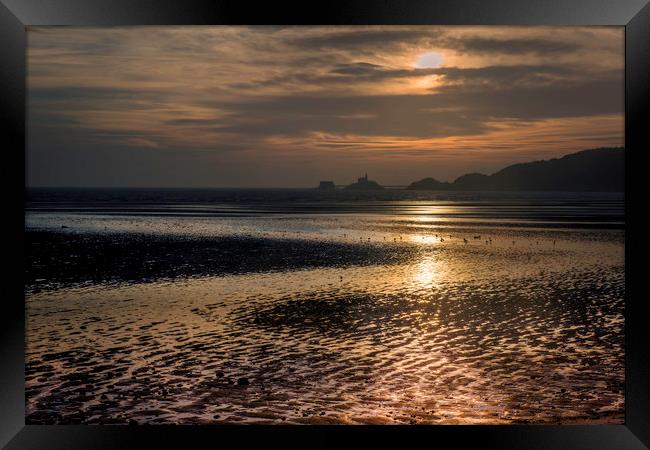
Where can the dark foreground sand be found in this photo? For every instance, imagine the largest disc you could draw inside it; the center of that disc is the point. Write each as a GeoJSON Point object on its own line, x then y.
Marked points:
{"type": "Point", "coordinates": [61, 258]}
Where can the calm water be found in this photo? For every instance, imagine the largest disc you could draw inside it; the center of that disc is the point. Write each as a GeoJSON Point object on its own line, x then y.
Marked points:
{"type": "Point", "coordinates": [599, 207]}
{"type": "Point", "coordinates": [507, 308]}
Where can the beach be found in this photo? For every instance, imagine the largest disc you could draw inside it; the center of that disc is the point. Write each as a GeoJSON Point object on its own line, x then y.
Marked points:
{"type": "Point", "coordinates": [305, 308]}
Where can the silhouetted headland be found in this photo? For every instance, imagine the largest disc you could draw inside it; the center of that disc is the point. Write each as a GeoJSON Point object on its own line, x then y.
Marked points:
{"type": "Point", "coordinates": [326, 186]}
{"type": "Point", "coordinates": [364, 184]}
{"type": "Point", "coordinates": [595, 170]}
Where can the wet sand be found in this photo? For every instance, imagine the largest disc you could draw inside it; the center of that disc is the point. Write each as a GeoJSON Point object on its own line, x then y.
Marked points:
{"type": "Point", "coordinates": [377, 322]}
{"type": "Point", "coordinates": [59, 258]}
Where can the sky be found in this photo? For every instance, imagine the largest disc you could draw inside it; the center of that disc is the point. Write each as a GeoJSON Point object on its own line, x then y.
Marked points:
{"type": "Point", "coordinates": [225, 106]}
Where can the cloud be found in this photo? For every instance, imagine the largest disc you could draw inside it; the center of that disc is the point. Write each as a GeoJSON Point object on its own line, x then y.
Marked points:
{"type": "Point", "coordinates": [362, 39]}
{"type": "Point", "coordinates": [367, 71]}
{"type": "Point", "coordinates": [477, 97]}
{"type": "Point", "coordinates": [509, 76]}
{"type": "Point", "coordinates": [468, 42]}
{"type": "Point", "coordinates": [249, 98]}
{"type": "Point", "coordinates": [493, 77]}
{"type": "Point", "coordinates": [513, 46]}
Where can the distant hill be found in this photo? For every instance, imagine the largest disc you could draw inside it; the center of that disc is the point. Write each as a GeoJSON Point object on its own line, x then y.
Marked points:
{"type": "Point", "coordinates": [326, 186]}
{"type": "Point", "coordinates": [429, 184]}
{"type": "Point", "coordinates": [600, 169]}
{"type": "Point", "coordinates": [471, 182]}
{"type": "Point", "coordinates": [364, 184]}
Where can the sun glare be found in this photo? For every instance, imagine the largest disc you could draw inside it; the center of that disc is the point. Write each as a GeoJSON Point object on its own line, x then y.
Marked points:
{"type": "Point", "coordinates": [426, 272]}
{"type": "Point", "coordinates": [429, 60]}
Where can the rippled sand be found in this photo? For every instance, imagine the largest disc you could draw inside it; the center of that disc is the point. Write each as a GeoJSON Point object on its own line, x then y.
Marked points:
{"type": "Point", "coordinates": [520, 325]}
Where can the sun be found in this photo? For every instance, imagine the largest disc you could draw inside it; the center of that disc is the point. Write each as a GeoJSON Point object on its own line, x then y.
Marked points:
{"type": "Point", "coordinates": [429, 60]}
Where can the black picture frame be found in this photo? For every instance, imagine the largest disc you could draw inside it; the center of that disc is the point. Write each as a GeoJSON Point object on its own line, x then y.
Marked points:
{"type": "Point", "coordinates": [16, 15]}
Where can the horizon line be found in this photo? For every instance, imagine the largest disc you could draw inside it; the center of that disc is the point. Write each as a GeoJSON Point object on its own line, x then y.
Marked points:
{"type": "Point", "coordinates": [389, 186]}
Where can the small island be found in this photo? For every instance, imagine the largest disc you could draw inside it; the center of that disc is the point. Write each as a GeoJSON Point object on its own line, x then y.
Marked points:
{"type": "Point", "coordinates": [364, 184]}
{"type": "Point", "coordinates": [326, 186]}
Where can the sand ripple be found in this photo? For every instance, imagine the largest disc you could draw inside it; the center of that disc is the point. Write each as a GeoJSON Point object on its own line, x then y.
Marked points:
{"type": "Point", "coordinates": [461, 333]}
